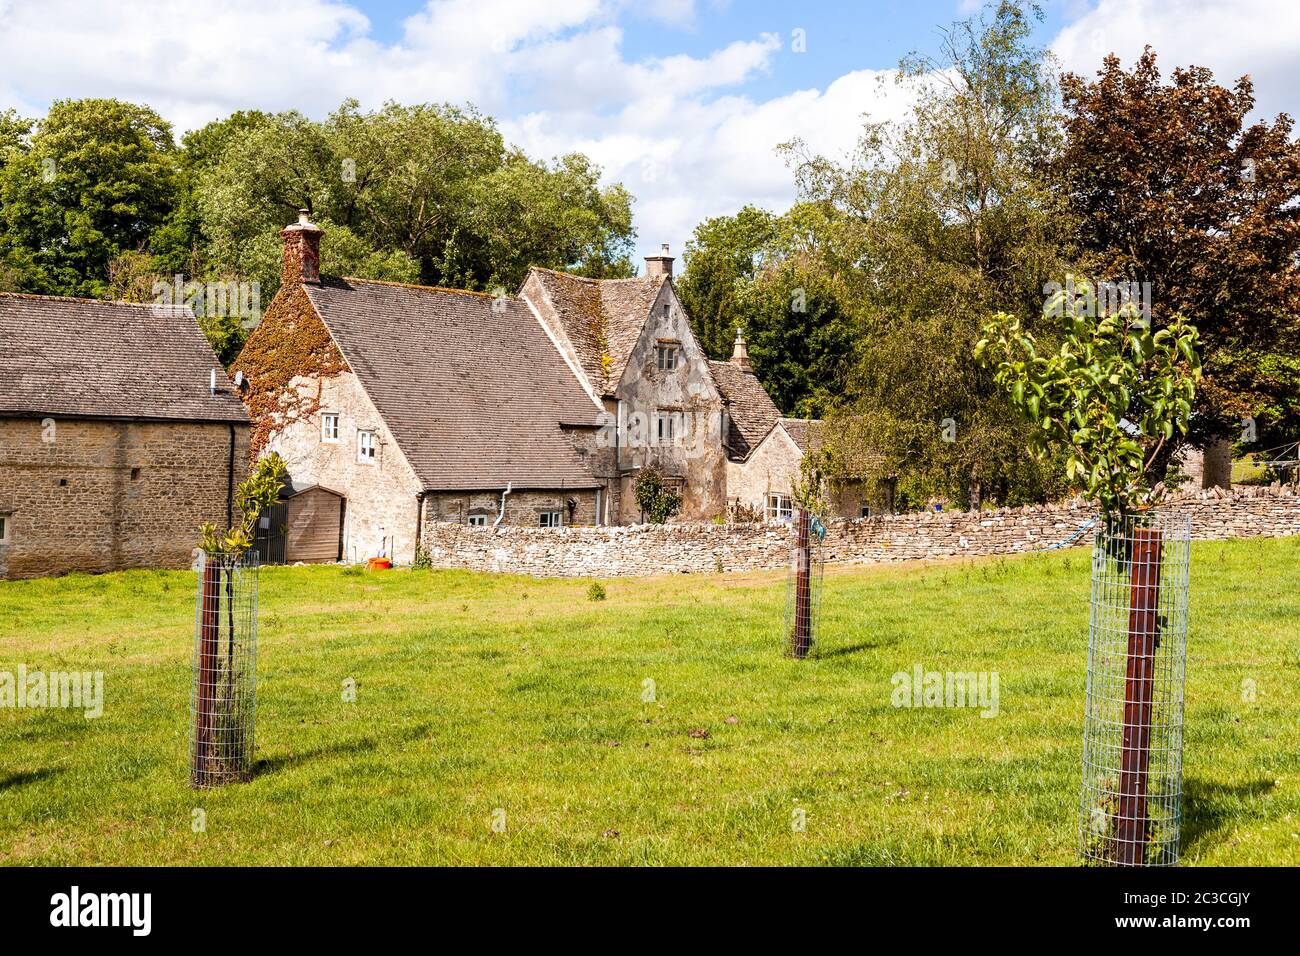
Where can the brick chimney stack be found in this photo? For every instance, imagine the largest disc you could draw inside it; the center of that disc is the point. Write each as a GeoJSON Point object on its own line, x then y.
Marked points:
{"type": "Point", "coordinates": [660, 265]}
{"type": "Point", "coordinates": [301, 251]}
{"type": "Point", "coordinates": [740, 354]}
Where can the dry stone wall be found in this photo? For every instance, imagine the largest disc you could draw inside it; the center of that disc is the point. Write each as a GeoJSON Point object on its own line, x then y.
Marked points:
{"type": "Point", "coordinates": [686, 548]}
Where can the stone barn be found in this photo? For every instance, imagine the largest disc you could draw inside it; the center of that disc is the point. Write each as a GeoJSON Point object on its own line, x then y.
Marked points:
{"type": "Point", "coordinates": [120, 434]}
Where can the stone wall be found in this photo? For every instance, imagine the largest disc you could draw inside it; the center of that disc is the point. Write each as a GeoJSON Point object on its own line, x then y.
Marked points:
{"type": "Point", "coordinates": [87, 495]}
{"type": "Point", "coordinates": [656, 549]}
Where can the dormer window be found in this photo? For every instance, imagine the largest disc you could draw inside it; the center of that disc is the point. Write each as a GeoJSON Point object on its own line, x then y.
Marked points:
{"type": "Point", "coordinates": [366, 448]}
{"type": "Point", "coordinates": [666, 356]}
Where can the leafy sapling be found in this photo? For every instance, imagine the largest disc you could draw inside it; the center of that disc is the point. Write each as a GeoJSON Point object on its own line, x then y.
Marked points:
{"type": "Point", "coordinates": [258, 492]}
{"type": "Point", "coordinates": [1109, 399]}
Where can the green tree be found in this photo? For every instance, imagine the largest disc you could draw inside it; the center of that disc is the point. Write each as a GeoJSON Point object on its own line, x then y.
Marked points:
{"type": "Point", "coordinates": [177, 245]}
{"type": "Point", "coordinates": [934, 225]}
{"type": "Point", "coordinates": [763, 273]}
{"type": "Point", "coordinates": [723, 256]}
{"type": "Point", "coordinates": [97, 178]}
{"type": "Point", "coordinates": [1111, 398]}
{"type": "Point", "coordinates": [424, 192]}
{"type": "Point", "coordinates": [656, 501]}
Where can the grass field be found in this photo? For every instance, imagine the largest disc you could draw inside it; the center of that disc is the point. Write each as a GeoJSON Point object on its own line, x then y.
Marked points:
{"type": "Point", "coordinates": [477, 692]}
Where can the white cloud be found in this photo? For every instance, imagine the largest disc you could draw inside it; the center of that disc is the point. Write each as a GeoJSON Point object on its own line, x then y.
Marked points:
{"type": "Point", "coordinates": [675, 129]}
{"type": "Point", "coordinates": [678, 130]}
{"type": "Point", "coordinates": [1256, 37]}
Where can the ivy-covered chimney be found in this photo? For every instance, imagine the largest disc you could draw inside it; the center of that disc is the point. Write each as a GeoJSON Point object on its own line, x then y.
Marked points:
{"type": "Point", "coordinates": [301, 251]}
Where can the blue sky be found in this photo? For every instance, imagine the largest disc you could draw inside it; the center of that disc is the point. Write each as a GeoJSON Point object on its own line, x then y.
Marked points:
{"type": "Point", "coordinates": [683, 101]}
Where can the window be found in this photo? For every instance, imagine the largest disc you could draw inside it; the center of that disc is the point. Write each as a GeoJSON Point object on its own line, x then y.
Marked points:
{"type": "Point", "coordinates": [779, 508]}
{"type": "Point", "coordinates": [666, 428]}
{"type": "Point", "coordinates": [666, 357]}
{"type": "Point", "coordinates": [477, 521]}
{"type": "Point", "coordinates": [4, 528]}
{"type": "Point", "coordinates": [329, 426]}
{"type": "Point", "coordinates": [366, 448]}
{"type": "Point", "coordinates": [866, 511]}
{"type": "Point", "coordinates": [549, 519]}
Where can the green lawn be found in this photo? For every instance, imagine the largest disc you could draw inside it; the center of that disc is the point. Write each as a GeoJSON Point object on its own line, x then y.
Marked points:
{"type": "Point", "coordinates": [478, 692]}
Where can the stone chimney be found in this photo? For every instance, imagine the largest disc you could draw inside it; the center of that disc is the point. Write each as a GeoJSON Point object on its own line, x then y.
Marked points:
{"type": "Point", "coordinates": [660, 265]}
{"type": "Point", "coordinates": [740, 354]}
{"type": "Point", "coordinates": [301, 251]}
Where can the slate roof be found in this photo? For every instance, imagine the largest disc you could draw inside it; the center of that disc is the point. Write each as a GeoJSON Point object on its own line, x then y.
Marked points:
{"type": "Point", "coordinates": [752, 411]}
{"type": "Point", "coordinates": [86, 358]}
{"type": "Point", "coordinates": [805, 432]}
{"type": "Point", "coordinates": [475, 395]}
{"type": "Point", "coordinates": [601, 317]}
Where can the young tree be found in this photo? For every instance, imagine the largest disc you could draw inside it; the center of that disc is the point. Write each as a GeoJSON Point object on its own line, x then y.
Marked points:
{"type": "Point", "coordinates": [1112, 398]}
{"type": "Point", "coordinates": [1173, 189]}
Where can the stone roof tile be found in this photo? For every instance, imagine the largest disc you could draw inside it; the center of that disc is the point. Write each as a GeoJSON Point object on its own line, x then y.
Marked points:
{"type": "Point", "coordinates": [78, 358]}
{"type": "Point", "coordinates": [470, 386]}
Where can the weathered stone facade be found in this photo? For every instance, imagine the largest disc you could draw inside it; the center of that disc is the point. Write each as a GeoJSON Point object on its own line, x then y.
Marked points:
{"type": "Point", "coordinates": [381, 494]}
{"type": "Point", "coordinates": [687, 393]}
{"type": "Point", "coordinates": [522, 508]}
{"type": "Point", "coordinates": [684, 548]}
{"type": "Point", "coordinates": [92, 495]}
{"type": "Point", "coordinates": [770, 469]}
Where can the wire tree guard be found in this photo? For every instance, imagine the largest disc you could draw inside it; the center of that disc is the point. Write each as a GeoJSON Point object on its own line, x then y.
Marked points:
{"type": "Point", "coordinates": [804, 588]}
{"type": "Point", "coordinates": [223, 700]}
{"type": "Point", "coordinates": [1131, 807]}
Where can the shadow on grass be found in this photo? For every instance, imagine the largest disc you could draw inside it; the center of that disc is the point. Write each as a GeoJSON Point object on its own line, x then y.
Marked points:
{"type": "Point", "coordinates": [356, 745]}
{"type": "Point", "coordinates": [1210, 807]}
{"type": "Point", "coordinates": [24, 777]}
{"type": "Point", "coordinates": [846, 651]}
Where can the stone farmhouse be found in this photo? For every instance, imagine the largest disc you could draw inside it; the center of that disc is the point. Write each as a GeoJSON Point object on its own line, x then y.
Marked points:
{"type": "Point", "coordinates": [398, 407]}
{"type": "Point", "coordinates": [120, 434]}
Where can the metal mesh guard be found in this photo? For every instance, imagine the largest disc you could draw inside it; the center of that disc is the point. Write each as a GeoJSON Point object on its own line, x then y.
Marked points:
{"type": "Point", "coordinates": [1131, 806]}
{"type": "Point", "coordinates": [223, 697]}
{"type": "Point", "coordinates": [804, 589]}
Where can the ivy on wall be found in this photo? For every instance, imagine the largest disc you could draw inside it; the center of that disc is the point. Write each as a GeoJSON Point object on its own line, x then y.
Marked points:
{"type": "Point", "coordinates": [290, 342]}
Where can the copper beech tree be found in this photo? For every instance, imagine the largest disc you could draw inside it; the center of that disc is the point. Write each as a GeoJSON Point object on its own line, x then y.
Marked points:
{"type": "Point", "coordinates": [1171, 187]}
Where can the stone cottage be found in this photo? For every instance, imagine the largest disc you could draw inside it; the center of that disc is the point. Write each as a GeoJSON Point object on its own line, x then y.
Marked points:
{"type": "Point", "coordinates": [414, 405]}
{"type": "Point", "coordinates": [120, 434]}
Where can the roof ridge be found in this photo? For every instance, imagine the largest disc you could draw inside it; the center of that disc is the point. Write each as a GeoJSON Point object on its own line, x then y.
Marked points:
{"type": "Point", "coordinates": [592, 279]}
{"type": "Point", "coordinates": [423, 288]}
{"type": "Point", "coordinates": [77, 298]}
